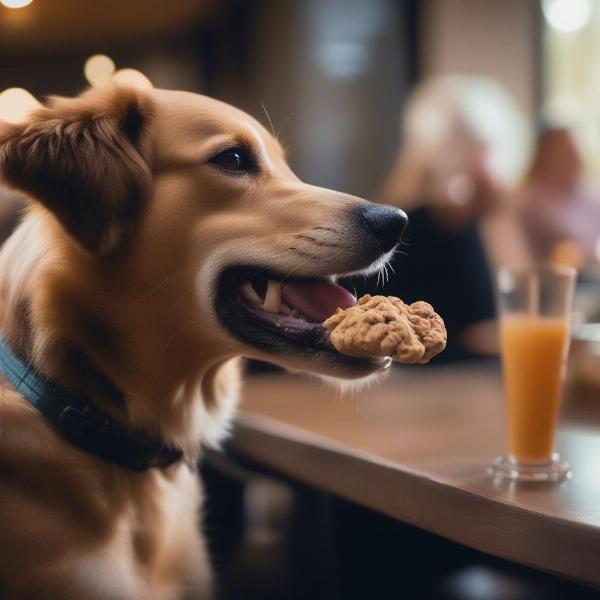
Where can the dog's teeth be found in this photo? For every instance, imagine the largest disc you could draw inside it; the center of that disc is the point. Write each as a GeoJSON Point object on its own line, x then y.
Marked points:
{"type": "Point", "coordinates": [273, 297]}
{"type": "Point", "coordinates": [249, 293]}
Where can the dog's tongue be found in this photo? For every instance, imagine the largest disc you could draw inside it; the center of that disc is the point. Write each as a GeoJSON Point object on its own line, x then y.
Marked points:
{"type": "Point", "coordinates": [316, 299]}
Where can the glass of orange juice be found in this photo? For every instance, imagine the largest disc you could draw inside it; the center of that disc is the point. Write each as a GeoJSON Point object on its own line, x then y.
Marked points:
{"type": "Point", "coordinates": [534, 311]}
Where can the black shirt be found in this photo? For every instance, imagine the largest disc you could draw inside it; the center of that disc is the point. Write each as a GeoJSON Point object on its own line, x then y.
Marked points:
{"type": "Point", "coordinates": [448, 269]}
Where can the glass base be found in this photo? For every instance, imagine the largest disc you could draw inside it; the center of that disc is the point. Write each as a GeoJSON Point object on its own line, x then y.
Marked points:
{"type": "Point", "coordinates": [506, 467]}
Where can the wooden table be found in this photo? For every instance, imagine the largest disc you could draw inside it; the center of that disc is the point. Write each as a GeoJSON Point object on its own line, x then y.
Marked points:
{"type": "Point", "coordinates": [416, 448]}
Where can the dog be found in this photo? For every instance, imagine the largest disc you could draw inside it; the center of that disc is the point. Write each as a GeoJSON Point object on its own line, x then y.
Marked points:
{"type": "Point", "coordinates": [165, 237]}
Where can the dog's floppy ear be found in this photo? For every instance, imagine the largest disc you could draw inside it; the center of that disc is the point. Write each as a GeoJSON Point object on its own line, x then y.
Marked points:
{"type": "Point", "coordinates": [87, 160]}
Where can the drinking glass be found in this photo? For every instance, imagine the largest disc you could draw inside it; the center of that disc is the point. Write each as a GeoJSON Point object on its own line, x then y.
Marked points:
{"type": "Point", "coordinates": [534, 311]}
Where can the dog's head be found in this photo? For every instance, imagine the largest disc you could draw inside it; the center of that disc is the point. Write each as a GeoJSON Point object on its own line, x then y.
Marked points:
{"type": "Point", "coordinates": [192, 204]}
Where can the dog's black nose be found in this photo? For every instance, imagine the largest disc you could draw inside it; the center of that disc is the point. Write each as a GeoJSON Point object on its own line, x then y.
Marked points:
{"type": "Point", "coordinates": [386, 223]}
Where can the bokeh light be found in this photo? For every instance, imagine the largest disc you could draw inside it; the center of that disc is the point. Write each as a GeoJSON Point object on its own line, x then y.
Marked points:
{"type": "Point", "coordinates": [99, 69]}
{"type": "Point", "coordinates": [15, 3]}
{"type": "Point", "coordinates": [132, 77]}
{"type": "Point", "coordinates": [567, 15]}
{"type": "Point", "coordinates": [16, 104]}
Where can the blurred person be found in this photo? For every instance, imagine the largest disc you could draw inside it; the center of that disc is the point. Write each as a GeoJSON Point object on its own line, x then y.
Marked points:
{"type": "Point", "coordinates": [560, 213]}
{"type": "Point", "coordinates": [464, 144]}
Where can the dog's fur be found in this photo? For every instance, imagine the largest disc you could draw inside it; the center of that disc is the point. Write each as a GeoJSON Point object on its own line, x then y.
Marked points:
{"type": "Point", "coordinates": [107, 283]}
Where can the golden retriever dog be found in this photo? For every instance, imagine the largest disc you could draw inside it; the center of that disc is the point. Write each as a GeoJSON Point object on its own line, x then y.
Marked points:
{"type": "Point", "coordinates": [165, 237]}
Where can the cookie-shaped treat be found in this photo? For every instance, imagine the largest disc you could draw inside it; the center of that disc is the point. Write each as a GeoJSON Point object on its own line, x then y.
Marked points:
{"type": "Point", "coordinates": [386, 326]}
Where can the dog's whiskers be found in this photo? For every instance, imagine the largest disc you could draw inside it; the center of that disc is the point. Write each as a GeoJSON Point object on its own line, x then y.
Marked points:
{"type": "Point", "coordinates": [155, 287]}
{"type": "Point", "coordinates": [281, 128]}
{"type": "Point", "coordinates": [303, 253]}
{"type": "Point", "coordinates": [320, 262]}
{"type": "Point", "coordinates": [315, 241]}
{"type": "Point", "coordinates": [269, 119]}
{"type": "Point", "coordinates": [325, 229]}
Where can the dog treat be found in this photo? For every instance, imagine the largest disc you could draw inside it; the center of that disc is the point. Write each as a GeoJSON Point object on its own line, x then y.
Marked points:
{"type": "Point", "coordinates": [386, 326]}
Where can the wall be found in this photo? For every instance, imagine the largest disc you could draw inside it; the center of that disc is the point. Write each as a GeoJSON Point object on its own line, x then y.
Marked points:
{"type": "Point", "coordinates": [497, 38]}
{"type": "Point", "coordinates": [333, 75]}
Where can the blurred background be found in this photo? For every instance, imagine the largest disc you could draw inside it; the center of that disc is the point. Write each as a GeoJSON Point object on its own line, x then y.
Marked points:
{"type": "Point", "coordinates": [480, 118]}
{"type": "Point", "coordinates": [330, 74]}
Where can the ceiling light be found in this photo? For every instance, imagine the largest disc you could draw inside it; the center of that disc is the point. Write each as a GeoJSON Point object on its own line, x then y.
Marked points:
{"type": "Point", "coordinates": [98, 69]}
{"type": "Point", "coordinates": [15, 3]}
{"type": "Point", "coordinates": [16, 104]}
{"type": "Point", "coordinates": [132, 77]}
{"type": "Point", "coordinates": [567, 15]}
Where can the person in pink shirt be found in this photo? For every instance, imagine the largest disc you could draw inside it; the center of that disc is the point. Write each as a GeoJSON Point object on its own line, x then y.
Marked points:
{"type": "Point", "coordinates": [559, 212]}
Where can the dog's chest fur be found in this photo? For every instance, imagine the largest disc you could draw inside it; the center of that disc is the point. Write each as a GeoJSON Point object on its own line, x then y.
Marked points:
{"type": "Point", "coordinates": [161, 560]}
{"type": "Point", "coordinates": [72, 522]}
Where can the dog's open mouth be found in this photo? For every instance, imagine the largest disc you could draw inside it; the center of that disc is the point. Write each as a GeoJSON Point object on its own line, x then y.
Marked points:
{"type": "Point", "coordinates": [283, 316]}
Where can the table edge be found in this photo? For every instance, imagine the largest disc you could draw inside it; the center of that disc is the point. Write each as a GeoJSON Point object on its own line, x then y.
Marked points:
{"type": "Point", "coordinates": [427, 502]}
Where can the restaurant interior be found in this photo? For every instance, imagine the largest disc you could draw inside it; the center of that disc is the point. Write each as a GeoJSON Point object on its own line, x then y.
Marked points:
{"type": "Point", "coordinates": [481, 121]}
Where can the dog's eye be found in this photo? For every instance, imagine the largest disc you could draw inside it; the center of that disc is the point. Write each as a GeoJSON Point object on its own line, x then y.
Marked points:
{"type": "Point", "coordinates": [235, 160]}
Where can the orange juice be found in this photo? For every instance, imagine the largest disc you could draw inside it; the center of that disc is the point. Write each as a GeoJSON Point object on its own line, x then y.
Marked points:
{"type": "Point", "coordinates": [533, 353]}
